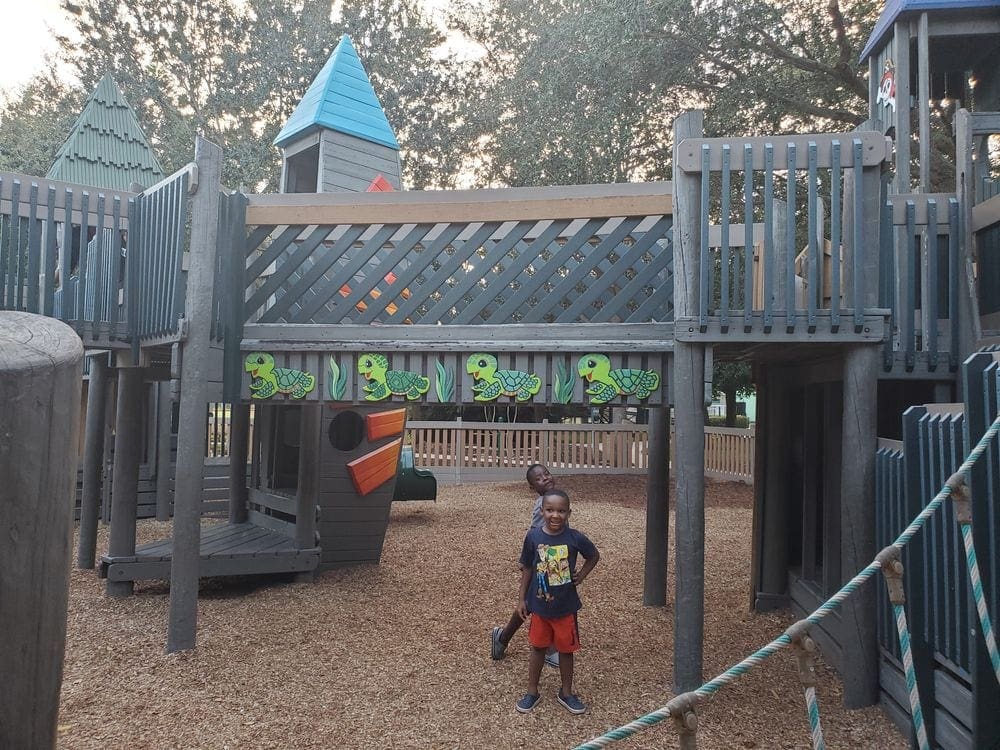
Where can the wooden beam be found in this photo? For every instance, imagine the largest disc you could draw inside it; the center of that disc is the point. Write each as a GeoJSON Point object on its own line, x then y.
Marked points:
{"type": "Point", "coordinates": [93, 462]}
{"type": "Point", "coordinates": [456, 206]}
{"type": "Point", "coordinates": [124, 490]}
{"type": "Point", "coordinates": [654, 586]}
{"type": "Point", "coordinates": [986, 214]}
{"type": "Point", "coordinates": [876, 148]}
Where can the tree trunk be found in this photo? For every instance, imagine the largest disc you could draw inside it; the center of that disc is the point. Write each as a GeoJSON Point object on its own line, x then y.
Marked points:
{"type": "Point", "coordinates": [730, 408]}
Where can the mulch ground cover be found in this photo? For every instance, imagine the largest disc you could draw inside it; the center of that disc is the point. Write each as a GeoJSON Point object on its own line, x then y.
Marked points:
{"type": "Point", "coordinates": [397, 655]}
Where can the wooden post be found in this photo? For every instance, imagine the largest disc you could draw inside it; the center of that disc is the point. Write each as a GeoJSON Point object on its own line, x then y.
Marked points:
{"type": "Point", "coordinates": [93, 462]}
{"type": "Point", "coordinates": [923, 107]}
{"type": "Point", "coordinates": [239, 435]}
{"type": "Point", "coordinates": [901, 41]}
{"type": "Point", "coordinates": [40, 369]}
{"type": "Point", "coordinates": [970, 331]}
{"type": "Point", "coordinates": [689, 377]}
{"type": "Point", "coordinates": [857, 477]}
{"type": "Point", "coordinates": [307, 495]}
{"type": "Point", "coordinates": [654, 588]}
{"type": "Point", "coordinates": [164, 418]}
{"type": "Point", "coordinates": [125, 484]}
{"type": "Point", "coordinates": [183, 626]}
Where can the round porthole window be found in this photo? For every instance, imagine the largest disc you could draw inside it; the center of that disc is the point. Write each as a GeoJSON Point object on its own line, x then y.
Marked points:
{"type": "Point", "coordinates": [347, 430]}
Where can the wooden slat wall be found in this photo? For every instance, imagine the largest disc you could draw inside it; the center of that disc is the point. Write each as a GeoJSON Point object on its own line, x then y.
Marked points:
{"type": "Point", "coordinates": [350, 163]}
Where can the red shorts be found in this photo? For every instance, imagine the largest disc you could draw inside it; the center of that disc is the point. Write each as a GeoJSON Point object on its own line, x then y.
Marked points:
{"type": "Point", "coordinates": [561, 632]}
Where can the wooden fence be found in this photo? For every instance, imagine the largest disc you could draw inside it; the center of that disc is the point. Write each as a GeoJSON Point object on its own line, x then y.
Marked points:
{"type": "Point", "coordinates": [486, 452]}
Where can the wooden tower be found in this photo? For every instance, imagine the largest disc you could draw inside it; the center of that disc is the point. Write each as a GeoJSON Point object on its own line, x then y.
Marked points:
{"type": "Point", "coordinates": [338, 138]}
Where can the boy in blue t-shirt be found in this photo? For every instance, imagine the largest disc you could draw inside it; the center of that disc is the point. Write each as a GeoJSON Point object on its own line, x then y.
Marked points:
{"type": "Point", "coordinates": [548, 591]}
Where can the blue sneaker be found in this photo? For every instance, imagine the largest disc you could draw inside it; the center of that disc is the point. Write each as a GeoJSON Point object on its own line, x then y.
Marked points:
{"type": "Point", "coordinates": [571, 703]}
{"type": "Point", "coordinates": [527, 703]}
{"type": "Point", "coordinates": [497, 646]}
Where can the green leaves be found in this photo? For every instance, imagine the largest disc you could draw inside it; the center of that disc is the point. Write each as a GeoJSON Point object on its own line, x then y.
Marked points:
{"type": "Point", "coordinates": [445, 383]}
{"type": "Point", "coordinates": [337, 383]}
{"type": "Point", "coordinates": [565, 381]}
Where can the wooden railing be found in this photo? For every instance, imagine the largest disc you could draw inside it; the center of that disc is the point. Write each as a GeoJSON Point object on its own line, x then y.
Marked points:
{"type": "Point", "coordinates": [498, 451]}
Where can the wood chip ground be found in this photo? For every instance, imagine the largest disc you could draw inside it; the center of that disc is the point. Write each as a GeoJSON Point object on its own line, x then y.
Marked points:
{"type": "Point", "coordinates": [397, 655]}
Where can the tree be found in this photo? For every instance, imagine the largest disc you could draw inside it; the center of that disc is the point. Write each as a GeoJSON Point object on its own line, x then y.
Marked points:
{"type": "Point", "coordinates": [729, 380]}
{"type": "Point", "coordinates": [35, 121]}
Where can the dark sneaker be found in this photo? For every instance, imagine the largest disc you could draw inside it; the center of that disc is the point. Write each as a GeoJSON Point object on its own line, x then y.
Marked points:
{"type": "Point", "coordinates": [571, 703]}
{"type": "Point", "coordinates": [497, 647]}
{"type": "Point", "coordinates": [527, 703]}
{"type": "Point", "coordinates": [552, 659]}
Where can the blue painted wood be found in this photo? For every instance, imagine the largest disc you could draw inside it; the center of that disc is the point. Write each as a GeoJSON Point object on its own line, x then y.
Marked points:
{"type": "Point", "coordinates": [67, 302]}
{"type": "Point", "coordinates": [768, 252]}
{"type": "Point", "coordinates": [836, 225]}
{"type": "Point", "coordinates": [116, 222]}
{"type": "Point", "coordinates": [933, 285]}
{"type": "Point", "coordinates": [724, 269]}
{"type": "Point", "coordinates": [82, 266]}
{"type": "Point", "coordinates": [815, 252]}
{"type": "Point", "coordinates": [704, 254]}
{"type": "Point", "coordinates": [909, 311]}
{"type": "Point", "coordinates": [857, 254]}
{"type": "Point", "coordinates": [954, 269]}
{"type": "Point", "coordinates": [790, 244]}
{"type": "Point", "coordinates": [49, 264]}
{"type": "Point", "coordinates": [13, 300]}
{"type": "Point", "coordinates": [748, 248]}
{"type": "Point", "coordinates": [101, 260]}
{"type": "Point", "coordinates": [34, 252]}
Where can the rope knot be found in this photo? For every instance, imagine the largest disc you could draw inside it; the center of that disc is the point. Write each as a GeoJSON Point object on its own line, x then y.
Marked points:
{"type": "Point", "coordinates": [683, 709]}
{"type": "Point", "coordinates": [805, 648]}
{"type": "Point", "coordinates": [961, 496]}
{"type": "Point", "coordinates": [892, 570]}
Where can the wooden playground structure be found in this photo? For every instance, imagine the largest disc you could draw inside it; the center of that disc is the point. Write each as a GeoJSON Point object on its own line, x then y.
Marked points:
{"type": "Point", "coordinates": [854, 292]}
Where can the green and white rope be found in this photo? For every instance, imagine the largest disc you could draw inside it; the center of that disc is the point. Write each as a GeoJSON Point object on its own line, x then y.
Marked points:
{"type": "Point", "coordinates": [916, 713]}
{"type": "Point", "coordinates": [758, 657]}
{"type": "Point", "coordinates": [812, 706]}
{"type": "Point", "coordinates": [977, 593]}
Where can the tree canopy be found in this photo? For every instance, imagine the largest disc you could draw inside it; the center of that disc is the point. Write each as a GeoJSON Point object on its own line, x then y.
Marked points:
{"type": "Point", "coordinates": [553, 91]}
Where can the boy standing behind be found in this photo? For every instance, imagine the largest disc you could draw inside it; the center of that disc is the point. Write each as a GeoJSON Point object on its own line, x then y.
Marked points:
{"type": "Point", "coordinates": [548, 591]}
{"type": "Point", "coordinates": [539, 480]}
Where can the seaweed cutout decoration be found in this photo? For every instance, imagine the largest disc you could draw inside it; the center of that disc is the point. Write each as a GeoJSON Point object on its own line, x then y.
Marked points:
{"type": "Point", "coordinates": [445, 383]}
{"type": "Point", "coordinates": [565, 382]}
{"type": "Point", "coordinates": [338, 381]}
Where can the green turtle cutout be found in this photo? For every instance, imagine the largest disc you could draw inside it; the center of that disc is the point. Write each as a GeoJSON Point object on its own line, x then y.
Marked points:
{"type": "Point", "coordinates": [267, 380]}
{"type": "Point", "coordinates": [605, 384]}
{"type": "Point", "coordinates": [492, 383]}
{"type": "Point", "coordinates": [383, 382]}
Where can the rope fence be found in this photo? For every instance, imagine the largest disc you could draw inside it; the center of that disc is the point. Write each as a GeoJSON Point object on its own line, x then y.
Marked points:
{"type": "Point", "coordinates": [682, 709]}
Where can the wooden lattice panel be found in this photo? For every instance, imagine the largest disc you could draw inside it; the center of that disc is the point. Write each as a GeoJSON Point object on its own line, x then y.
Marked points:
{"type": "Point", "coordinates": [466, 273]}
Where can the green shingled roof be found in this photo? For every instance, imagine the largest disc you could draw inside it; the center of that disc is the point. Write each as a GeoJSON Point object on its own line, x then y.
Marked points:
{"type": "Point", "coordinates": [106, 147]}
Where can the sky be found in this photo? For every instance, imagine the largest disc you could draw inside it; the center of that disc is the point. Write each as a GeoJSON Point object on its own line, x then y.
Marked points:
{"type": "Point", "coordinates": [25, 37]}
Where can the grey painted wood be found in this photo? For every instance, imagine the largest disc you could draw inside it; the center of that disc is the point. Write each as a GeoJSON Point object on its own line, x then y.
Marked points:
{"type": "Point", "coordinates": [239, 437]}
{"type": "Point", "coordinates": [970, 330]}
{"type": "Point", "coordinates": [772, 578]}
{"type": "Point", "coordinates": [93, 462]}
{"type": "Point", "coordinates": [689, 376]}
{"type": "Point", "coordinates": [923, 104]}
{"type": "Point", "coordinates": [128, 442]}
{"type": "Point", "coordinates": [164, 439]}
{"type": "Point", "coordinates": [875, 149]}
{"type": "Point", "coordinates": [901, 114]}
{"type": "Point", "coordinates": [39, 429]}
{"type": "Point", "coordinates": [182, 628]}
{"type": "Point", "coordinates": [654, 587]}
{"type": "Point", "coordinates": [857, 513]}
{"type": "Point", "coordinates": [310, 437]}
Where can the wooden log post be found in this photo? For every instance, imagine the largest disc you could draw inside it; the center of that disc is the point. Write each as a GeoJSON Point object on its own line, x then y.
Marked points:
{"type": "Point", "coordinates": [93, 462]}
{"type": "Point", "coordinates": [183, 626]}
{"type": "Point", "coordinates": [857, 476]}
{"type": "Point", "coordinates": [689, 379]}
{"type": "Point", "coordinates": [164, 434]}
{"type": "Point", "coordinates": [307, 495]}
{"type": "Point", "coordinates": [239, 436]}
{"type": "Point", "coordinates": [654, 587]}
{"type": "Point", "coordinates": [40, 368]}
{"type": "Point", "coordinates": [125, 482]}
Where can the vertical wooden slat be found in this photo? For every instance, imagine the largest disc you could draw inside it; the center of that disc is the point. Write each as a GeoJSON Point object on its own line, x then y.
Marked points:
{"type": "Point", "coordinates": [724, 271]}
{"type": "Point", "coordinates": [836, 219]}
{"type": "Point", "coordinates": [68, 303]}
{"type": "Point", "coordinates": [116, 253]}
{"type": "Point", "coordinates": [99, 250]}
{"type": "Point", "coordinates": [82, 271]}
{"type": "Point", "coordinates": [858, 276]}
{"type": "Point", "coordinates": [13, 300]}
{"type": "Point", "coordinates": [954, 248]}
{"type": "Point", "coordinates": [49, 266]}
{"type": "Point", "coordinates": [909, 312]}
{"type": "Point", "coordinates": [933, 286]}
{"type": "Point", "coordinates": [790, 246]}
{"type": "Point", "coordinates": [769, 248]}
{"type": "Point", "coordinates": [748, 265]}
{"type": "Point", "coordinates": [705, 251]}
{"type": "Point", "coordinates": [34, 250]}
{"type": "Point", "coordinates": [815, 252]}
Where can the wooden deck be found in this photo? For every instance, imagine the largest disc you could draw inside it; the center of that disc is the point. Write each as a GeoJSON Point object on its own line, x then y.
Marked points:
{"type": "Point", "coordinates": [226, 550]}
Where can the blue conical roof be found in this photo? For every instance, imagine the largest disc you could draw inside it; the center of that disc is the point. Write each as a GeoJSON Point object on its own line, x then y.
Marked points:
{"type": "Point", "coordinates": [340, 98]}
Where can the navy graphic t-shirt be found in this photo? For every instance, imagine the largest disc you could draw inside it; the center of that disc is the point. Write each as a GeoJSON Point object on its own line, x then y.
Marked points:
{"type": "Point", "coordinates": [552, 560]}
